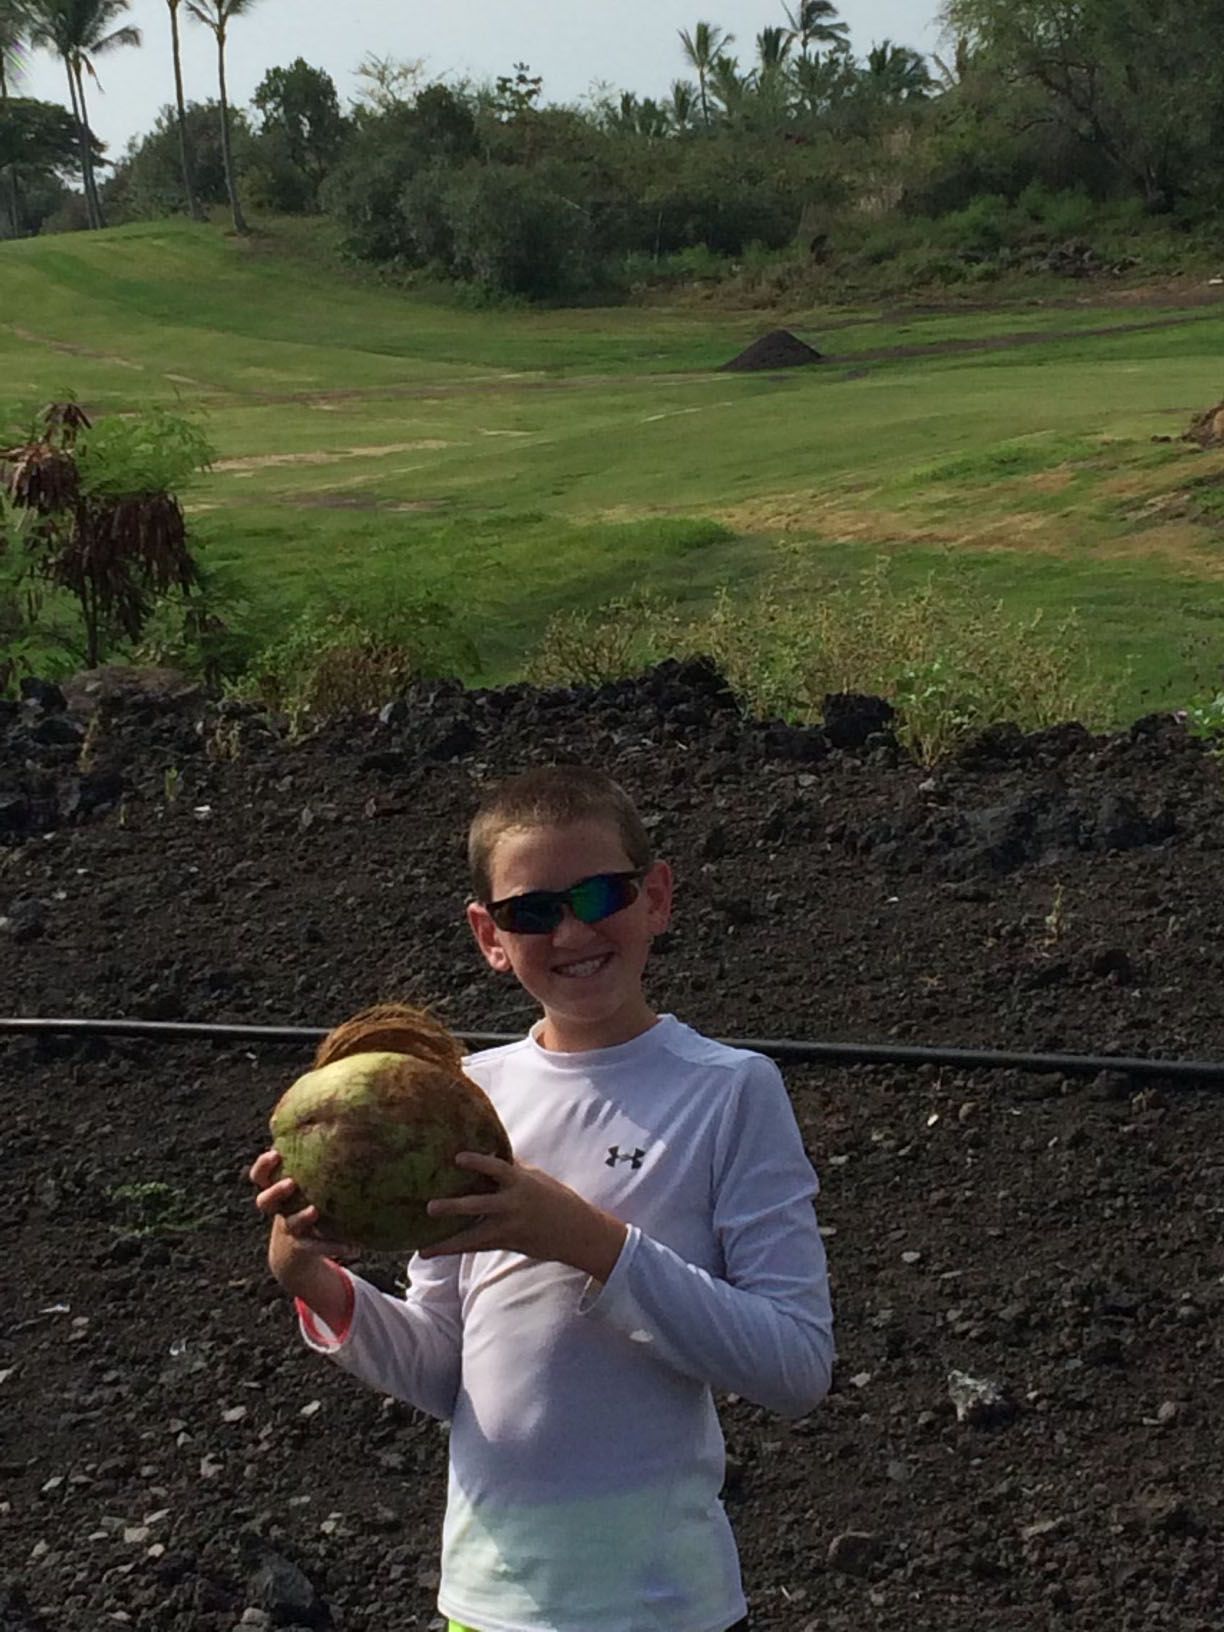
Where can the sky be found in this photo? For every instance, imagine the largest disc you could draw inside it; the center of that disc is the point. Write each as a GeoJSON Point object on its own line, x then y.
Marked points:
{"type": "Point", "coordinates": [573, 44]}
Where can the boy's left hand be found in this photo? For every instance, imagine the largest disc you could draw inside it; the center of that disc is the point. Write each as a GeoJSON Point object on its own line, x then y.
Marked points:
{"type": "Point", "coordinates": [532, 1213]}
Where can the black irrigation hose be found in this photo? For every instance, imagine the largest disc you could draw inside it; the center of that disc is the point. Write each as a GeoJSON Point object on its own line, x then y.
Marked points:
{"type": "Point", "coordinates": [1205, 1072]}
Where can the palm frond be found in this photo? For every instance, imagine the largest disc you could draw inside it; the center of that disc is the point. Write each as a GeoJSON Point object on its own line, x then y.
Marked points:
{"type": "Point", "coordinates": [128, 35]}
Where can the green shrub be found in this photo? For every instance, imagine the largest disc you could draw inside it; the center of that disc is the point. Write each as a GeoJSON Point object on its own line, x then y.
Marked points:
{"type": "Point", "coordinates": [501, 227]}
{"type": "Point", "coordinates": [205, 633]}
{"type": "Point", "coordinates": [983, 227]}
{"type": "Point", "coordinates": [590, 647]}
{"type": "Point", "coordinates": [36, 626]}
{"type": "Point", "coordinates": [341, 660]}
{"type": "Point", "coordinates": [1070, 213]}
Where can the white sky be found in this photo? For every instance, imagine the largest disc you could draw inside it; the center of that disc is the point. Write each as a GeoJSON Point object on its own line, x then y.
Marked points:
{"type": "Point", "coordinates": [572, 43]}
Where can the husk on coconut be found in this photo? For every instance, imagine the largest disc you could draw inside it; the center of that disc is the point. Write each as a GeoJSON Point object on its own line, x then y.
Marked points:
{"type": "Point", "coordinates": [371, 1133]}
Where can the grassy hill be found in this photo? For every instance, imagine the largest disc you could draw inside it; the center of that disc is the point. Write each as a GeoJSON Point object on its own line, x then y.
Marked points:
{"type": "Point", "coordinates": [517, 462]}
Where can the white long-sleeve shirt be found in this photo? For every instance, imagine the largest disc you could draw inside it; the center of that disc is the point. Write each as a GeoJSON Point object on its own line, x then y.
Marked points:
{"type": "Point", "coordinates": [586, 1457]}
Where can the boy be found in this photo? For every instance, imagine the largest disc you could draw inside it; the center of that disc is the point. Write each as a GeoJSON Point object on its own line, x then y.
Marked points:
{"type": "Point", "coordinates": [652, 1240]}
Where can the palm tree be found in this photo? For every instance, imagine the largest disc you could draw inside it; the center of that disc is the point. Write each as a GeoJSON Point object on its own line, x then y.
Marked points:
{"type": "Point", "coordinates": [899, 73]}
{"type": "Point", "coordinates": [217, 15]}
{"type": "Point", "coordinates": [180, 103]}
{"type": "Point", "coordinates": [78, 31]}
{"type": "Point", "coordinates": [729, 87]}
{"type": "Point", "coordinates": [682, 108]}
{"type": "Point", "coordinates": [703, 48]}
{"type": "Point", "coordinates": [773, 48]}
{"type": "Point", "coordinates": [12, 35]}
{"type": "Point", "coordinates": [815, 22]}
{"type": "Point", "coordinates": [771, 79]}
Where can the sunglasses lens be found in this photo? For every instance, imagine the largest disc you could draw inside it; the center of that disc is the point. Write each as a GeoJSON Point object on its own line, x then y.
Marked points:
{"type": "Point", "coordinates": [601, 896]}
{"type": "Point", "coordinates": [531, 914]}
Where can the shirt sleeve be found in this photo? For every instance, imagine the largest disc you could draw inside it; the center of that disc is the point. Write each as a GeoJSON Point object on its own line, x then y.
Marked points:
{"type": "Point", "coordinates": [409, 1347]}
{"type": "Point", "coordinates": [763, 1328]}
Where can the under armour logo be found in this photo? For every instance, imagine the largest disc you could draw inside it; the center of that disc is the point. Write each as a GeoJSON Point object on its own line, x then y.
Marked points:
{"type": "Point", "coordinates": [614, 1156]}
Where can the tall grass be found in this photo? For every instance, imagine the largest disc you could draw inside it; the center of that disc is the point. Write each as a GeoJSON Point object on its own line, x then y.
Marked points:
{"type": "Point", "coordinates": [950, 660]}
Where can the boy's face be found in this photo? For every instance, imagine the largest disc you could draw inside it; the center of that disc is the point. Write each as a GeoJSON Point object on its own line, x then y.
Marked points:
{"type": "Point", "coordinates": [586, 977]}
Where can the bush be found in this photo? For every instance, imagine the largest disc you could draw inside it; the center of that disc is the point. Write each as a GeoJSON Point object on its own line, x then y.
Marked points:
{"type": "Point", "coordinates": [982, 228]}
{"type": "Point", "coordinates": [36, 631]}
{"type": "Point", "coordinates": [512, 233]}
{"type": "Point", "coordinates": [205, 633]}
{"type": "Point", "coordinates": [1067, 214]}
{"type": "Point", "coordinates": [343, 660]}
{"type": "Point", "coordinates": [611, 642]}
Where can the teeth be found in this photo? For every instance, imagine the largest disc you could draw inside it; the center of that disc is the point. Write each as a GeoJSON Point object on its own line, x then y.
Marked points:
{"type": "Point", "coordinates": [580, 969]}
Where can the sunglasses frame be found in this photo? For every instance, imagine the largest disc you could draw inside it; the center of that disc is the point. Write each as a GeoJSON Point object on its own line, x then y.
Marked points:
{"type": "Point", "coordinates": [560, 899]}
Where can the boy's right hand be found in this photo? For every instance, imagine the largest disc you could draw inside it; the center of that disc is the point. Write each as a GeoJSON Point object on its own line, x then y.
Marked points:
{"type": "Point", "coordinates": [301, 1262]}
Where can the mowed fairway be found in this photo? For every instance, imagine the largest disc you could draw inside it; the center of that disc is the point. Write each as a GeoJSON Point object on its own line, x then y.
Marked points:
{"type": "Point", "coordinates": [515, 462]}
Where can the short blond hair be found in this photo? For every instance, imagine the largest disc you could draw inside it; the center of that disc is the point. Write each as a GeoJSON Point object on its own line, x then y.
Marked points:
{"type": "Point", "coordinates": [552, 796]}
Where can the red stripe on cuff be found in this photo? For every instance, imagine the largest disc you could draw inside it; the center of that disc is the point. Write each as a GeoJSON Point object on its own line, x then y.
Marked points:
{"type": "Point", "coordinates": [315, 1327]}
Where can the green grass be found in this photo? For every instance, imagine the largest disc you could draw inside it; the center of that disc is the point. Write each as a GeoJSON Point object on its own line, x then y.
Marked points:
{"type": "Point", "coordinates": [518, 462]}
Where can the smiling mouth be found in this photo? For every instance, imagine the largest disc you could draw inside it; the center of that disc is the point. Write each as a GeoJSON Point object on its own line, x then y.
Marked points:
{"type": "Point", "coordinates": [587, 967]}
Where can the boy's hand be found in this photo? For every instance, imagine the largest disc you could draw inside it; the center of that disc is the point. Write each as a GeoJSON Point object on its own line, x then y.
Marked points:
{"type": "Point", "coordinates": [532, 1213]}
{"type": "Point", "coordinates": [299, 1260]}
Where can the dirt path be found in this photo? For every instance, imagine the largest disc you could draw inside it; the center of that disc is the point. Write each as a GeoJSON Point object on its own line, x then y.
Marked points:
{"type": "Point", "coordinates": [1016, 339]}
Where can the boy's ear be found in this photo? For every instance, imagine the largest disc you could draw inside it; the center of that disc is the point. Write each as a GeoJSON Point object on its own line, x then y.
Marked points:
{"type": "Point", "coordinates": [487, 938]}
{"type": "Point", "coordinates": [657, 888]}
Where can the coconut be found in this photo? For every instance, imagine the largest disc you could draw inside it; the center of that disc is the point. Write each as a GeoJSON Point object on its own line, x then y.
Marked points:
{"type": "Point", "coordinates": [371, 1134]}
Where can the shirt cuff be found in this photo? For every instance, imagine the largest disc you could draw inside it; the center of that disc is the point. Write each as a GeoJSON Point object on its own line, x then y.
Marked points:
{"type": "Point", "coordinates": [600, 1297]}
{"type": "Point", "coordinates": [315, 1329]}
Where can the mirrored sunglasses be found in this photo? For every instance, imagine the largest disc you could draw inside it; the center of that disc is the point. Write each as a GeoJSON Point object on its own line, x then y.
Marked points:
{"type": "Point", "coordinates": [538, 912]}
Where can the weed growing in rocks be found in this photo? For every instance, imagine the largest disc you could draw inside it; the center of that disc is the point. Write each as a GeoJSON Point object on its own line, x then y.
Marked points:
{"type": "Point", "coordinates": [151, 1206]}
{"type": "Point", "coordinates": [342, 660]}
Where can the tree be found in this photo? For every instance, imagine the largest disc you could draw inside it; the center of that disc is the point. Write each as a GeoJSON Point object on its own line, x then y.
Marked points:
{"type": "Point", "coordinates": [147, 182]}
{"type": "Point", "coordinates": [38, 141]}
{"type": "Point", "coordinates": [388, 83]}
{"type": "Point", "coordinates": [772, 83]}
{"type": "Point", "coordinates": [181, 107]}
{"type": "Point", "coordinates": [815, 22]}
{"type": "Point", "coordinates": [302, 133]}
{"type": "Point", "coordinates": [103, 521]}
{"type": "Point", "coordinates": [13, 31]}
{"type": "Point", "coordinates": [216, 16]}
{"type": "Point", "coordinates": [826, 84]}
{"type": "Point", "coordinates": [518, 94]}
{"type": "Point", "coordinates": [383, 156]}
{"type": "Point", "coordinates": [729, 87]}
{"type": "Point", "coordinates": [683, 104]}
{"type": "Point", "coordinates": [639, 116]}
{"type": "Point", "coordinates": [12, 39]}
{"type": "Point", "coordinates": [1139, 81]}
{"type": "Point", "coordinates": [898, 74]}
{"type": "Point", "coordinates": [77, 31]}
{"type": "Point", "coordinates": [773, 48]}
{"type": "Point", "coordinates": [702, 50]}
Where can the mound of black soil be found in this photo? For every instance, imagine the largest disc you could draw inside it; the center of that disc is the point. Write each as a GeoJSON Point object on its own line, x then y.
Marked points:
{"type": "Point", "coordinates": [174, 1460]}
{"type": "Point", "coordinates": [777, 349]}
